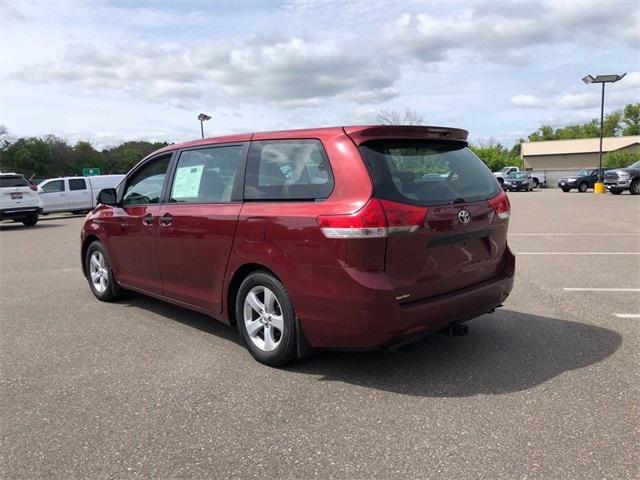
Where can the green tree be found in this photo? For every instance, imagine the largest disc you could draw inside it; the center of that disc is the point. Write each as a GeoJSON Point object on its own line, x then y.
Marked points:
{"type": "Point", "coordinates": [620, 159]}
{"type": "Point", "coordinates": [631, 119]}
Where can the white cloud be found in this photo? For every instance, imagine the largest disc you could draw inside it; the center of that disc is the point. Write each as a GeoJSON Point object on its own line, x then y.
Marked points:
{"type": "Point", "coordinates": [526, 101]}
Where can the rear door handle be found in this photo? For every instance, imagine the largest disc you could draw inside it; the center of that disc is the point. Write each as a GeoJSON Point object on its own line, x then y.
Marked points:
{"type": "Point", "coordinates": [148, 219]}
{"type": "Point", "coordinates": [166, 219]}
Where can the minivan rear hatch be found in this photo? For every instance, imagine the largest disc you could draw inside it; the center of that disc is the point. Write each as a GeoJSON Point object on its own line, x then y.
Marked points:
{"type": "Point", "coordinates": [463, 237]}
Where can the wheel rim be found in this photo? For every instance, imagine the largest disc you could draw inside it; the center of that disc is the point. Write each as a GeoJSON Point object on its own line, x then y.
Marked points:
{"type": "Point", "coordinates": [98, 272]}
{"type": "Point", "coordinates": [263, 318]}
{"type": "Point", "coordinates": [635, 188]}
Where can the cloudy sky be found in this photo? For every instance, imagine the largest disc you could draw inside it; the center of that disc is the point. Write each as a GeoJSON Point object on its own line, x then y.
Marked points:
{"type": "Point", "coordinates": [109, 71]}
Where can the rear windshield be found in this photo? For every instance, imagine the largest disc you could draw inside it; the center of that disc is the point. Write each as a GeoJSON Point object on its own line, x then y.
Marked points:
{"type": "Point", "coordinates": [14, 181]}
{"type": "Point", "coordinates": [428, 173]}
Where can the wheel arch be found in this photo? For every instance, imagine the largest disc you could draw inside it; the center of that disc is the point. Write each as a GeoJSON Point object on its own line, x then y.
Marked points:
{"type": "Point", "coordinates": [88, 240]}
{"type": "Point", "coordinates": [242, 272]}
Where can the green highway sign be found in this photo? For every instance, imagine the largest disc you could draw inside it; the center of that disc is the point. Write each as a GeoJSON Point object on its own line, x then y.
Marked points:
{"type": "Point", "coordinates": [90, 172]}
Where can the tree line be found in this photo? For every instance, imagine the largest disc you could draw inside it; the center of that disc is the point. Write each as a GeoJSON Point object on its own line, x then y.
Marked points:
{"type": "Point", "coordinates": [51, 156]}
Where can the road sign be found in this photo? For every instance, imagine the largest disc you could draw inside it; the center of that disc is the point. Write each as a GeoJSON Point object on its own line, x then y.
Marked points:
{"type": "Point", "coordinates": [90, 172]}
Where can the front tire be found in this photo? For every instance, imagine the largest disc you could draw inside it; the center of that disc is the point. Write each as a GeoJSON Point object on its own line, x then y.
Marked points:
{"type": "Point", "coordinates": [97, 267]}
{"type": "Point", "coordinates": [266, 319]}
{"type": "Point", "coordinates": [534, 184]}
{"type": "Point", "coordinates": [582, 187]}
{"type": "Point", "coordinates": [634, 188]}
{"type": "Point", "coordinates": [566, 190]}
{"type": "Point", "coordinates": [616, 191]}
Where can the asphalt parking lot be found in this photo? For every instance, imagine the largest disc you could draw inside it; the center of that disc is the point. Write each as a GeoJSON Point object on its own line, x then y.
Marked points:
{"type": "Point", "coordinates": [547, 387]}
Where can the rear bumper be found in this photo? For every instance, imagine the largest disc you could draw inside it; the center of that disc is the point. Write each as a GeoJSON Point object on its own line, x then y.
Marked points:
{"type": "Point", "coordinates": [19, 212]}
{"type": "Point", "coordinates": [370, 317]}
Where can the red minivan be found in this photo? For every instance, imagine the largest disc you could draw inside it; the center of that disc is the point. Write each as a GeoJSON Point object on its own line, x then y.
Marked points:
{"type": "Point", "coordinates": [343, 238]}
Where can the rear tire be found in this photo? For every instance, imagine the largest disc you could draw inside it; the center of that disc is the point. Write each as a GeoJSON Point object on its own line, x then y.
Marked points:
{"type": "Point", "coordinates": [31, 220]}
{"type": "Point", "coordinates": [97, 267]}
{"type": "Point", "coordinates": [634, 188]}
{"type": "Point", "coordinates": [583, 186]}
{"type": "Point", "coordinates": [266, 319]}
{"type": "Point", "coordinates": [534, 184]}
{"type": "Point", "coordinates": [616, 191]}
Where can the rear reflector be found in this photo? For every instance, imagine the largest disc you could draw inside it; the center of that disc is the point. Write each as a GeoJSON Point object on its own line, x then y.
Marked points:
{"type": "Point", "coordinates": [377, 219]}
{"type": "Point", "coordinates": [500, 204]}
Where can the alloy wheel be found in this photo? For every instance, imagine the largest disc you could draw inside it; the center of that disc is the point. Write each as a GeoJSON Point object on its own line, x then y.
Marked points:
{"type": "Point", "coordinates": [98, 272]}
{"type": "Point", "coordinates": [263, 318]}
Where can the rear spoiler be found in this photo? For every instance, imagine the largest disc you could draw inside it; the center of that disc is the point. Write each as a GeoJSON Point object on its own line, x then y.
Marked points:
{"type": "Point", "coordinates": [396, 132]}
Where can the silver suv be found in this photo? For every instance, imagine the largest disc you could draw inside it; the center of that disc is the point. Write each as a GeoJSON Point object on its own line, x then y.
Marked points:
{"type": "Point", "coordinates": [19, 199]}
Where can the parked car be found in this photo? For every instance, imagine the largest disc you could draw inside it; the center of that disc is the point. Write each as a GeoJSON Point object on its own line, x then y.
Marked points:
{"type": "Point", "coordinates": [538, 178]}
{"type": "Point", "coordinates": [74, 194]}
{"type": "Point", "coordinates": [582, 180]}
{"type": "Point", "coordinates": [19, 200]}
{"type": "Point", "coordinates": [617, 181]}
{"type": "Point", "coordinates": [310, 239]}
{"type": "Point", "coordinates": [518, 181]}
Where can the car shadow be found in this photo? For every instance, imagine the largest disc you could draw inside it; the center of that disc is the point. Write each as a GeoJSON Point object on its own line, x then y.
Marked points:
{"type": "Point", "coordinates": [505, 352]}
{"type": "Point", "coordinates": [185, 316]}
{"type": "Point", "coordinates": [12, 226]}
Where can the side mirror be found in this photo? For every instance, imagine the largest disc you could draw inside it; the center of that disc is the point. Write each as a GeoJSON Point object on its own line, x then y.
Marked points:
{"type": "Point", "coordinates": [108, 196]}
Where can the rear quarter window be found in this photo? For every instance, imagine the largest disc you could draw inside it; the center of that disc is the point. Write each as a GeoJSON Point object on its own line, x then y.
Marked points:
{"type": "Point", "coordinates": [288, 170]}
{"type": "Point", "coordinates": [428, 173]}
{"type": "Point", "coordinates": [14, 181]}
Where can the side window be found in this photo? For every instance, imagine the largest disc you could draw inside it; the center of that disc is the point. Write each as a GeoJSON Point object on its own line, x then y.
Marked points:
{"type": "Point", "coordinates": [145, 185]}
{"type": "Point", "coordinates": [287, 170]}
{"type": "Point", "coordinates": [77, 184]}
{"type": "Point", "coordinates": [206, 175]}
{"type": "Point", "coordinates": [54, 186]}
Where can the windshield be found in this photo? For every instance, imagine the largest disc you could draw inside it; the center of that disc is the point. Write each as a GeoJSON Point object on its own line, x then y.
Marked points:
{"type": "Point", "coordinates": [518, 175]}
{"type": "Point", "coordinates": [583, 173]}
{"type": "Point", "coordinates": [505, 169]}
{"type": "Point", "coordinates": [428, 173]}
{"type": "Point", "coordinates": [635, 165]}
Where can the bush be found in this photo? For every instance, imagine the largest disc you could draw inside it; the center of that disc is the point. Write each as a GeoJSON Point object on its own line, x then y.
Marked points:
{"type": "Point", "coordinates": [620, 159]}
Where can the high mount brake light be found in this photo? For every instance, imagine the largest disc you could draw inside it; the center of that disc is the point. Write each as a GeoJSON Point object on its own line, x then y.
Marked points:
{"type": "Point", "coordinates": [377, 219]}
{"type": "Point", "coordinates": [500, 204]}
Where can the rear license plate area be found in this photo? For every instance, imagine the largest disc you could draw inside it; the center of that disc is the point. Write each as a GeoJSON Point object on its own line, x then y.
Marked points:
{"type": "Point", "coordinates": [16, 196]}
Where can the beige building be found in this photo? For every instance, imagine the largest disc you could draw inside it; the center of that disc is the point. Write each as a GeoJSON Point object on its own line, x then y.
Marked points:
{"type": "Point", "coordinates": [571, 155]}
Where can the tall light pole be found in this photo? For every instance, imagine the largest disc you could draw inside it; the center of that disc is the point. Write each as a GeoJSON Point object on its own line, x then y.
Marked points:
{"type": "Point", "coordinates": [599, 187]}
{"type": "Point", "coordinates": [203, 117]}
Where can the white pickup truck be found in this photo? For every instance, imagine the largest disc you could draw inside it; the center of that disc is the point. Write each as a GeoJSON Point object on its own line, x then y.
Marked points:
{"type": "Point", "coordinates": [74, 194]}
{"type": "Point", "coordinates": [539, 178]}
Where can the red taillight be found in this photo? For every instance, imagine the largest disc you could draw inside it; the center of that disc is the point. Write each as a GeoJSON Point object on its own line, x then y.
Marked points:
{"type": "Point", "coordinates": [377, 219]}
{"type": "Point", "coordinates": [33, 187]}
{"type": "Point", "coordinates": [500, 204]}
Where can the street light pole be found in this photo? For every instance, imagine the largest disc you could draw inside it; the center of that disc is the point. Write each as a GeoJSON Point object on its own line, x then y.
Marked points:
{"type": "Point", "coordinates": [599, 186]}
{"type": "Point", "coordinates": [203, 117]}
{"type": "Point", "coordinates": [600, 176]}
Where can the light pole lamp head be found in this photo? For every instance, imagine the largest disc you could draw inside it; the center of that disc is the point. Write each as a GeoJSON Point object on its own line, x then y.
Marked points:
{"type": "Point", "coordinates": [603, 78]}
{"type": "Point", "coordinates": [203, 117]}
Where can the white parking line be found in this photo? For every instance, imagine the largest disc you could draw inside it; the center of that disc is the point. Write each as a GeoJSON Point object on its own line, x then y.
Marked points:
{"type": "Point", "coordinates": [602, 289]}
{"type": "Point", "coordinates": [577, 253]}
{"type": "Point", "coordinates": [627, 315]}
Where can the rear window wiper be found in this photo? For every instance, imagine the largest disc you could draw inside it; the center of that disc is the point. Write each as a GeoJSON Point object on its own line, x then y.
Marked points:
{"type": "Point", "coordinates": [457, 200]}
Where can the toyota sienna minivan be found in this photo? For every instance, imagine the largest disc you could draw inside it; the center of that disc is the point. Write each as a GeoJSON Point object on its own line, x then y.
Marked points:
{"type": "Point", "coordinates": [332, 238]}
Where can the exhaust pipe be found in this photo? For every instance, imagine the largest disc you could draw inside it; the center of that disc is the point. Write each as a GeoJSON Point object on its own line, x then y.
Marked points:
{"type": "Point", "coordinates": [458, 330]}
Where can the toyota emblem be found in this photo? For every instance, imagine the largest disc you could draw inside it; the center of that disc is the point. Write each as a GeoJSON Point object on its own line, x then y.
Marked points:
{"type": "Point", "coordinates": [464, 216]}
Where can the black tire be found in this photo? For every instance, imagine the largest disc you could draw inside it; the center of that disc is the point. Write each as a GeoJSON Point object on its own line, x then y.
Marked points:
{"type": "Point", "coordinates": [31, 220]}
{"type": "Point", "coordinates": [112, 290]}
{"type": "Point", "coordinates": [566, 190]}
{"type": "Point", "coordinates": [582, 187]}
{"type": "Point", "coordinates": [534, 184]}
{"type": "Point", "coordinates": [634, 188]}
{"type": "Point", "coordinates": [286, 349]}
{"type": "Point", "coordinates": [616, 191]}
